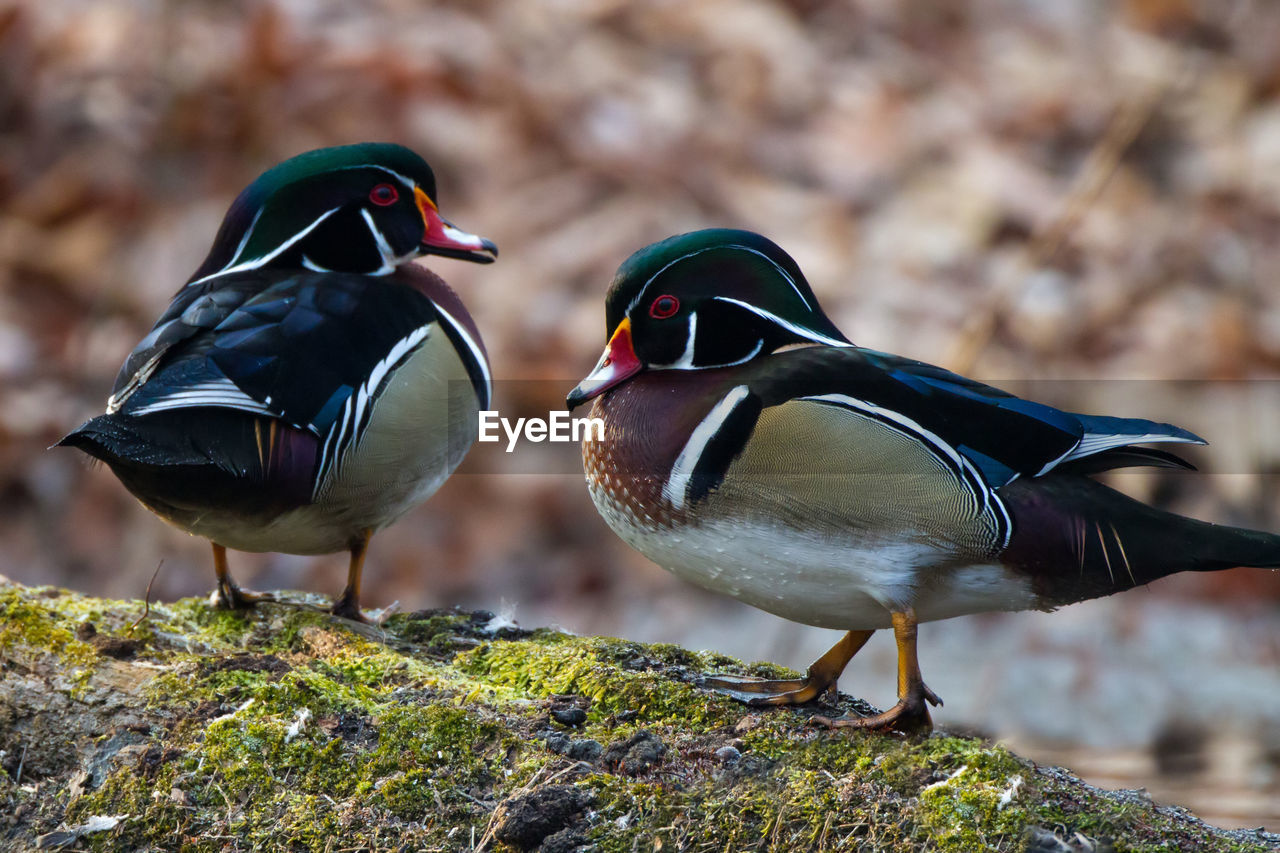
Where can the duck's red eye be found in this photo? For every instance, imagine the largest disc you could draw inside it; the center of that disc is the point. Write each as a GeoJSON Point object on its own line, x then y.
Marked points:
{"type": "Point", "coordinates": [664, 307]}
{"type": "Point", "coordinates": [384, 194]}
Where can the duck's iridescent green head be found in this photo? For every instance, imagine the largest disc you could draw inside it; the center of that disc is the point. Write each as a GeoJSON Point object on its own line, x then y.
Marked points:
{"type": "Point", "coordinates": [363, 208]}
{"type": "Point", "coordinates": [705, 299]}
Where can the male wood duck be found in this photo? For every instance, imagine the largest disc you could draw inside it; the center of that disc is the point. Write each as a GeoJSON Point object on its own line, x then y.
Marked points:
{"type": "Point", "coordinates": [750, 448]}
{"type": "Point", "coordinates": [309, 384]}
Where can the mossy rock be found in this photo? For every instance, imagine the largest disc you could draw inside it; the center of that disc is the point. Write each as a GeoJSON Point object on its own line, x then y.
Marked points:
{"type": "Point", "coordinates": [283, 728]}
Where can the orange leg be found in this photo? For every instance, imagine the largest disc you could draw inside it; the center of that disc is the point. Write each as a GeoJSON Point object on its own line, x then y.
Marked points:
{"type": "Point", "coordinates": [821, 677]}
{"type": "Point", "coordinates": [348, 605]}
{"type": "Point", "coordinates": [911, 713]}
{"type": "Point", "coordinates": [228, 595]}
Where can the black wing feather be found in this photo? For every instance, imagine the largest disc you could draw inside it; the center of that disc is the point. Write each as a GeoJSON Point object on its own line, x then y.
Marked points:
{"type": "Point", "coordinates": [299, 345]}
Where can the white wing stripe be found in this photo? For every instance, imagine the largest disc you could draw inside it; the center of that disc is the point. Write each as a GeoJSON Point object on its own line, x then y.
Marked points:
{"type": "Point", "coordinates": [362, 400]}
{"type": "Point", "coordinates": [347, 430]}
{"type": "Point", "coordinates": [222, 393]}
{"type": "Point", "coordinates": [188, 401]}
{"type": "Point", "coordinates": [116, 400]}
{"type": "Point", "coordinates": [1054, 463]}
{"type": "Point", "coordinates": [1095, 442]}
{"type": "Point", "coordinates": [397, 352]}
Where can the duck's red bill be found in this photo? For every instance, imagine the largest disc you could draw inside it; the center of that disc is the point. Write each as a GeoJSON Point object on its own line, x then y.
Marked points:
{"type": "Point", "coordinates": [618, 364]}
{"type": "Point", "coordinates": [441, 238]}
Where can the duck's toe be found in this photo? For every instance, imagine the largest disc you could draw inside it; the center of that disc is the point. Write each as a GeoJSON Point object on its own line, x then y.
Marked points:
{"type": "Point", "coordinates": [759, 692]}
{"type": "Point", "coordinates": [232, 597]}
{"type": "Point", "coordinates": [910, 715]}
{"type": "Point", "coordinates": [348, 607]}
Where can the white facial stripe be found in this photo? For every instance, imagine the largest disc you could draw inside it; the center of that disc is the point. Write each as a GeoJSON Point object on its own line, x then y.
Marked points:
{"type": "Point", "coordinates": [312, 265]}
{"type": "Point", "coordinates": [791, 281]}
{"type": "Point", "coordinates": [682, 471]}
{"type": "Point", "coordinates": [258, 262]}
{"type": "Point", "coordinates": [755, 352]}
{"type": "Point", "coordinates": [640, 296]}
{"type": "Point", "coordinates": [476, 352]}
{"type": "Point", "coordinates": [685, 361]}
{"type": "Point", "coordinates": [408, 182]}
{"type": "Point", "coordinates": [803, 332]}
{"type": "Point", "coordinates": [244, 241]}
{"type": "Point", "coordinates": [233, 266]}
{"type": "Point", "coordinates": [389, 259]}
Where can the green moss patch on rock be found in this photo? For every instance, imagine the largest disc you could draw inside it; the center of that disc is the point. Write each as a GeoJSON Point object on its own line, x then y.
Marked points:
{"type": "Point", "coordinates": [284, 728]}
{"type": "Point", "coordinates": [614, 675]}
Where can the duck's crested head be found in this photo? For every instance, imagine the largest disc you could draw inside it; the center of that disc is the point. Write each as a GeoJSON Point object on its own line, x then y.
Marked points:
{"type": "Point", "coordinates": [363, 208]}
{"type": "Point", "coordinates": [706, 299]}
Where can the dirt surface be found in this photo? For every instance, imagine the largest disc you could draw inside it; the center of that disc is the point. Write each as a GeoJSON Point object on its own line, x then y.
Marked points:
{"type": "Point", "coordinates": [542, 818]}
{"type": "Point", "coordinates": [286, 728]}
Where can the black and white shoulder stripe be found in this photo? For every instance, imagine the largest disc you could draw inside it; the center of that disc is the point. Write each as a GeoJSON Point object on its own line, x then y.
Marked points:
{"type": "Point", "coordinates": [348, 428]}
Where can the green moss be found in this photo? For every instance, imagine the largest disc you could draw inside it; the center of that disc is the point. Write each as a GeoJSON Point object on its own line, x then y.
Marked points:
{"type": "Point", "coordinates": [210, 627]}
{"type": "Point", "coordinates": [972, 806]}
{"type": "Point", "coordinates": [46, 623]}
{"type": "Point", "coordinates": [615, 675]}
{"type": "Point", "coordinates": [434, 632]}
{"type": "Point", "coordinates": [268, 773]}
{"type": "Point", "coordinates": [280, 728]}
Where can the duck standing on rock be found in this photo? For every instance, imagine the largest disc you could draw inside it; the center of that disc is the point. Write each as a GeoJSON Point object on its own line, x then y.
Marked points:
{"type": "Point", "coordinates": [750, 448]}
{"type": "Point", "coordinates": [310, 383]}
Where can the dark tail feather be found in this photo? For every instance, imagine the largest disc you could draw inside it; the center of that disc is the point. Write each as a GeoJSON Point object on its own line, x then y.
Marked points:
{"type": "Point", "coordinates": [189, 460]}
{"type": "Point", "coordinates": [1078, 539]}
{"type": "Point", "coordinates": [117, 440]}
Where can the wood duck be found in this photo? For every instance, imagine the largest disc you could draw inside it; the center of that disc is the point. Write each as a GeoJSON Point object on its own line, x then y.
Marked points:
{"type": "Point", "coordinates": [309, 384]}
{"type": "Point", "coordinates": [750, 448]}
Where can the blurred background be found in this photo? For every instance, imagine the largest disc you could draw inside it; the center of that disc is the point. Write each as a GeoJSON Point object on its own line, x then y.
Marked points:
{"type": "Point", "coordinates": [1076, 200]}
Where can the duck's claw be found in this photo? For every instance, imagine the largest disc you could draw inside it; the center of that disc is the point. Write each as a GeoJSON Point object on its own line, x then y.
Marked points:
{"type": "Point", "coordinates": [760, 692]}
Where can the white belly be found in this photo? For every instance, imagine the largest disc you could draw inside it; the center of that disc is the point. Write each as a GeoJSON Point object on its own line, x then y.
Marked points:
{"type": "Point", "coordinates": [813, 580]}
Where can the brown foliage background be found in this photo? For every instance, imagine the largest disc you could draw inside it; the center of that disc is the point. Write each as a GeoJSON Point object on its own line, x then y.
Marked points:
{"type": "Point", "coordinates": [1081, 192]}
